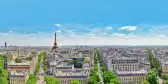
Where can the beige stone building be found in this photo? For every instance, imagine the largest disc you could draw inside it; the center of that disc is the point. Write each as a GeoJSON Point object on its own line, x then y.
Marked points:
{"type": "Point", "coordinates": [11, 56]}
{"type": "Point", "coordinates": [124, 64]}
{"type": "Point", "coordinates": [18, 77]}
{"type": "Point", "coordinates": [131, 77]}
{"type": "Point", "coordinates": [68, 79]}
{"type": "Point", "coordinates": [12, 66]}
{"type": "Point", "coordinates": [65, 77]}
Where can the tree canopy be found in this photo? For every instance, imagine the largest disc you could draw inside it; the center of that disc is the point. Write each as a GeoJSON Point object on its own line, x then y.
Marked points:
{"type": "Point", "coordinates": [32, 79]}
{"type": "Point", "coordinates": [94, 76]}
{"type": "Point", "coordinates": [154, 63]}
{"type": "Point", "coordinates": [91, 80]}
{"type": "Point", "coordinates": [40, 56]}
{"type": "Point", "coordinates": [145, 82]}
{"type": "Point", "coordinates": [17, 60]}
{"type": "Point", "coordinates": [1, 61]}
{"type": "Point", "coordinates": [3, 72]}
{"type": "Point", "coordinates": [30, 58]}
{"type": "Point", "coordinates": [45, 62]}
{"type": "Point", "coordinates": [3, 80]}
{"type": "Point", "coordinates": [50, 80]}
{"type": "Point", "coordinates": [87, 60]}
{"type": "Point", "coordinates": [166, 82]}
{"type": "Point", "coordinates": [152, 77]}
{"type": "Point", "coordinates": [165, 76]}
{"type": "Point", "coordinates": [110, 77]}
{"type": "Point", "coordinates": [75, 82]}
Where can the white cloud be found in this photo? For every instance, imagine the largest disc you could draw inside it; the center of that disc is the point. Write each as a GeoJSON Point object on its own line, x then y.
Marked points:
{"type": "Point", "coordinates": [72, 35]}
{"type": "Point", "coordinates": [108, 28]}
{"type": "Point", "coordinates": [90, 34]}
{"type": "Point", "coordinates": [162, 36]}
{"type": "Point", "coordinates": [8, 33]}
{"type": "Point", "coordinates": [58, 25]}
{"type": "Point", "coordinates": [118, 34]}
{"type": "Point", "coordinates": [131, 35]}
{"type": "Point", "coordinates": [58, 31]}
{"type": "Point", "coordinates": [129, 28]}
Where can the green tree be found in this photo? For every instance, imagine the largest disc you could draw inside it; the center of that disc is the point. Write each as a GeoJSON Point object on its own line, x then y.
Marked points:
{"type": "Point", "coordinates": [37, 70]}
{"type": "Point", "coordinates": [50, 80]}
{"type": "Point", "coordinates": [94, 75]}
{"type": "Point", "coordinates": [1, 61]}
{"type": "Point", "coordinates": [103, 69]}
{"type": "Point", "coordinates": [3, 73]}
{"type": "Point", "coordinates": [32, 79]}
{"type": "Point", "coordinates": [30, 58]}
{"type": "Point", "coordinates": [115, 81]}
{"type": "Point", "coordinates": [91, 80]}
{"type": "Point", "coordinates": [107, 76]}
{"type": "Point", "coordinates": [3, 80]}
{"type": "Point", "coordinates": [40, 56]}
{"type": "Point", "coordinates": [152, 77]}
{"type": "Point", "coordinates": [45, 63]}
{"type": "Point", "coordinates": [165, 76]}
{"type": "Point", "coordinates": [17, 60]}
{"type": "Point", "coordinates": [86, 60]}
{"type": "Point", "coordinates": [75, 82]}
{"type": "Point", "coordinates": [166, 82]}
{"type": "Point", "coordinates": [145, 82]}
{"type": "Point", "coordinates": [154, 63]}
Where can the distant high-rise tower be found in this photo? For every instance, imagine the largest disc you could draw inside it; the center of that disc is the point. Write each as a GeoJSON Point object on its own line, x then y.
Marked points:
{"type": "Point", "coordinates": [55, 43]}
{"type": "Point", "coordinates": [5, 44]}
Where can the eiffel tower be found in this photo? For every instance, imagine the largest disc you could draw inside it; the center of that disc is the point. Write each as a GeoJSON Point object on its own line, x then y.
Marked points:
{"type": "Point", "coordinates": [55, 44]}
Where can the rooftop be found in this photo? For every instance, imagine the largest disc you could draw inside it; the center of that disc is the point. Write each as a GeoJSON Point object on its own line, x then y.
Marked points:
{"type": "Point", "coordinates": [72, 73]}
{"type": "Point", "coordinates": [14, 63]}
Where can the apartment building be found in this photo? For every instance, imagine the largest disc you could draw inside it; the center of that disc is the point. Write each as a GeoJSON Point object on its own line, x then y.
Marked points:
{"type": "Point", "coordinates": [18, 77]}
{"type": "Point", "coordinates": [131, 77]}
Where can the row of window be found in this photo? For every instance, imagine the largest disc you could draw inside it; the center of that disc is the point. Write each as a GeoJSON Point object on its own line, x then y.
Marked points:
{"type": "Point", "coordinates": [132, 81]}
{"type": "Point", "coordinates": [68, 81]}
{"type": "Point", "coordinates": [12, 81]}
{"type": "Point", "coordinates": [113, 62]}
{"type": "Point", "coordinates": [138, 82]}
{"type": "Point", "coordinates": [124, 79]}
{"type": "Point", "coordinates": [125, 68]}
{"type": "Point", "coordinates": [126, 64]}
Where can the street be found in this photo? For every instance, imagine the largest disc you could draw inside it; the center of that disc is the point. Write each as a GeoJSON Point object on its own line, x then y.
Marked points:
{"type": "Point", "coordinates": [40, 76]}
{"type": "Point", "coordinates": [99, 71]}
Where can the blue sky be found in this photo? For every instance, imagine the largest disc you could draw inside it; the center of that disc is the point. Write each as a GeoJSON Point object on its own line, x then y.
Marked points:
{"type": "Point", "coordinates": [88, 22]}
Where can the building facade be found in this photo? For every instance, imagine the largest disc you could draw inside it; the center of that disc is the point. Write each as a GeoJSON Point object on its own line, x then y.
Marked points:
{"type": "Point", "coordinates": [19, 67]}
{"type": "Point", "coordinates": [65, 77]}
{"type": "Point", "coordinates": [133, 77]}
{"type": "Point", "coordinates": [18, 78]}
{"type": "Point", "coordinates": [124, 65]}
{"type": "Point", "coordinates": [68, 79]}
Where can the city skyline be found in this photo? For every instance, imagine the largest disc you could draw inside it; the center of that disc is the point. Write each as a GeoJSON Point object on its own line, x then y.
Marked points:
{"type": "Point", "coordinates": [84, 22]}
{"type": "Point", "coordinates": [70, 34]}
